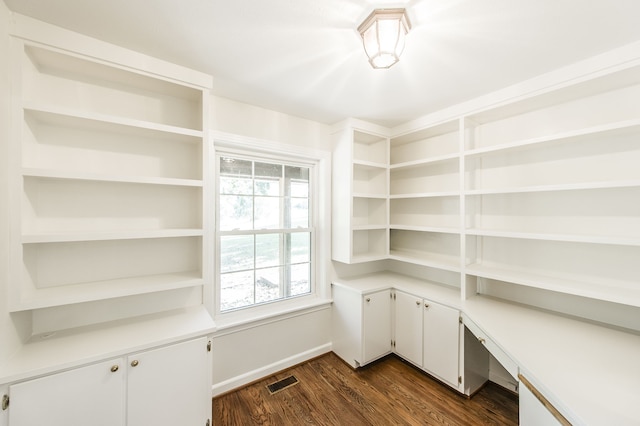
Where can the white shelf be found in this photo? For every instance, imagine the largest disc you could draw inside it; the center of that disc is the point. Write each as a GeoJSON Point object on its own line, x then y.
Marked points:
{"type": "Point", "coordinates": [368, 227]}
{"type": "Point", "coordinates": [627, 293]}
{"type": "Point", "coordinates": [591, 239]}
{"type": "Point", "coordinates": [433, 260]}
{"type": "Point", "coordinates": [368, 257]}
{"type": "Point", "coordinates": [63, 237]}
{"type": "Point", "coordinates": [425, 195]}
{"type": "Point", "coordinates": [438, 229]}
{"type": "Point", "coordinates": [369, 164]}
{"type": "Point", "coordinates": [604, 130]}
{"type": "Point", "coordinates": [371, 196]}
{"type": "Point", "coordinates": [61, 174]}
{"type": "Point", "coordinates": [69, 117]}
{"type": "Point", "coordinates": [563, 187]}
{"type": "Point", "coordinates": [102, 290]}
{"type": "Point", "coordinates": [424, 162]}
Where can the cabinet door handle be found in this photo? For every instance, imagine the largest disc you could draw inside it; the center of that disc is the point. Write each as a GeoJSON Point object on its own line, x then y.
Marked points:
{"type": "Point", "coordinates": [418, 303]}
{"type": "Point", "coordinates": [368, 299]}
{"type": "Point", "coordinates": [134, 363]}
{"type": "Point", "coordinates": [481, 340]}
{"type": "Point", "coordinates": [114, 368]}
{"type": "Point", "coordinates": [426, 305]}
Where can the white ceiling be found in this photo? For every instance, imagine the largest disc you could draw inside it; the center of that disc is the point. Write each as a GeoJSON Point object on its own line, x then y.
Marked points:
{"type": "Point", "coordinates": [305, 58]}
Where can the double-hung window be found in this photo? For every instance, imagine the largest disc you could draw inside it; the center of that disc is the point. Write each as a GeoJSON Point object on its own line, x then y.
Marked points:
{"type": "Point", "coordinates": [265, 234]}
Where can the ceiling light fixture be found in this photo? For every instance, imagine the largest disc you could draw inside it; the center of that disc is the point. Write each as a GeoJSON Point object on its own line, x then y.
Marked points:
{"type": "Point", "coordinates": [383, 35]}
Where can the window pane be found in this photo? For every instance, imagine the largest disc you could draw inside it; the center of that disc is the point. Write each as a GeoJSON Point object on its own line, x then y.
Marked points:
{"type": "Point", "coordinates": [234, 167]}
{"type": "Point", "coordinates": [300, 279]}
{"type": "Point", "coordinates": [299, 211]}
{"type": "Point", "coordinates": [267, 213]}
{"type": "Point", "coordinates": [268, 170]}
{"type": "Point", "coordinates": [267, 187]}
{"type": "Point", "coordinates": [236, 185]}
{"type": "Point", "coordinates": [299, 189]}
{"type": "Point", "coordinates": [300, 247]}
{"type": "Point", "coordinates": [236, 212]}
{"type": "Point", "coordinates": [236, 253]}
{"type": "Point", "coordinates": [296, 173]}
{"type": "Point", "coordinates": [268, 284]}
{"type": "Point", "coordinates": [267, 250]}
{"type": "Point", "coordinates": [237, 290]}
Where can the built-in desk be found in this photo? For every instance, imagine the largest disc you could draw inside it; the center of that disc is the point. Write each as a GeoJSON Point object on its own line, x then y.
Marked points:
{"type": "Point", "coordinates": [590, 373]}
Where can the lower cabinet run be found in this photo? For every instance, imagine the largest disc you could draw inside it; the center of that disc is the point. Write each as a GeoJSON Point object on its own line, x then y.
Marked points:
{"type": "Point", "coordinates": [163, 386]}
{"type": "Point", "coordinates": [372, 318]}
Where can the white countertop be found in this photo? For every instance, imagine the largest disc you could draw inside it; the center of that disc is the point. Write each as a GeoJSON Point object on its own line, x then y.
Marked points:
{"type": "Point", "coordinates": [71, 348]}
{"type": "Point", "coordinates": [589, 372]}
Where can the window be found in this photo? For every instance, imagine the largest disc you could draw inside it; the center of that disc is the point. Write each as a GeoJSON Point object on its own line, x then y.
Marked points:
{"type": "Point", "coordinates": [265, 231]}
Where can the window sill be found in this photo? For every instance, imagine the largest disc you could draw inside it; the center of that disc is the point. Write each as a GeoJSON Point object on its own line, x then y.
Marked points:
{"type": "Point", "coordinates": [249, 318]}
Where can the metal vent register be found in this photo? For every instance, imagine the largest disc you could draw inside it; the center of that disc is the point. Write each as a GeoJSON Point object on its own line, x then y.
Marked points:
{"type": "Point", "coordinates": [282, 384]}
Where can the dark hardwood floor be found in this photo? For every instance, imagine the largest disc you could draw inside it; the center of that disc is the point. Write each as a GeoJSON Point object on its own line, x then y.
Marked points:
{"type": "Point", "coordinates": [387, 392]}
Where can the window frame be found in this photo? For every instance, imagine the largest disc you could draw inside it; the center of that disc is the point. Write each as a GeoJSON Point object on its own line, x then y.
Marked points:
{"type": "Point", "coordinates": [280, 231]}
{"type": "Point", "coordinates": [319, 163]}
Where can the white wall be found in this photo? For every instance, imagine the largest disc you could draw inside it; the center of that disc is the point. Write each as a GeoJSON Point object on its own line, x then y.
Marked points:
{"type": "Point", "coordinates": [242, 354]}
{"type": "Point", "coordinates": [248, 120]}
{"type": "Point", "coordinates": [250, 352]}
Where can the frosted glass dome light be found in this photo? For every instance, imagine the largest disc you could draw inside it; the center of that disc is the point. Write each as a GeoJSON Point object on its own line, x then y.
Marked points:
{"type": "Point", "coordinates": [383, 34]}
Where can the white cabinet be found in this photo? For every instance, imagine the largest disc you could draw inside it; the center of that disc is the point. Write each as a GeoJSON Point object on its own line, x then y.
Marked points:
{"type": "Point", "coordinates": [376, 312]}
{"type": "Point", "coordinates": [361, 324]}
{"type": "Point", "coordinates": [360, 193]}
{"type": "Point", "coordinates": [408, 327]}
{"type": "Point", "coordinates": [532, 412]}
{"type": "Point", "coordinates": [88, 395]}
{"type": "Point", "coordinates": [428, 335]}
{"type": "Point", "coordinates": [169, 385]}
{"type": "Point", "coordinates": [441, 331]}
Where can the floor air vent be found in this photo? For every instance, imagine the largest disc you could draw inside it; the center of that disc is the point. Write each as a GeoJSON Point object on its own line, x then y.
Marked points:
{"type": "Point", "coordinates": [282, 384]}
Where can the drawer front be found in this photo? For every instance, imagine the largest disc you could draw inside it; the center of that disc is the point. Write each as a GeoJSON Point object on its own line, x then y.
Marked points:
{"type": "Point", "coordinates": [497, 353]}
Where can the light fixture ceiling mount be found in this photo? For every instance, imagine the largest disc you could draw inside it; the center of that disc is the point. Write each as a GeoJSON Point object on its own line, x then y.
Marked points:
{"type": "Point", "coordinates": [383, 34]}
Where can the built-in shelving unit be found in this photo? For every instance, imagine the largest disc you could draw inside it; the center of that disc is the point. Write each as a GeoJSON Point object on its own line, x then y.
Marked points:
{"type": "Point", "coordinates": [360, 198]}
{"type": "Point", "coordinates": [110, 180]}
{"type": "Point", "coordinates": [551, 190]}
{"type": "Point", "coordinates": [425, 197]}
{"type": "Point", "coordinates": [540, 192]}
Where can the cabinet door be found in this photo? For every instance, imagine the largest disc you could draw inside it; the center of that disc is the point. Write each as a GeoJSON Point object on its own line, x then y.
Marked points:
{"type": "Point", "coordinates": [170, 386]}
{"type": "Point", "coordinates": [441, 341]}
{"type": "Point", "coordinates": [409, 327]}
{"type": "Point", "coordinates": [377, 325]}
{"type": "Point", "coordinates": [532, 412]}
{"type": "Point", "coordinates": [92, 395]}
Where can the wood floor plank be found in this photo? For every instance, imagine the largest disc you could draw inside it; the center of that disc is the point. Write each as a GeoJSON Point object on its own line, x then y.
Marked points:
{"type": "Point", "coordinates": [387, 392]}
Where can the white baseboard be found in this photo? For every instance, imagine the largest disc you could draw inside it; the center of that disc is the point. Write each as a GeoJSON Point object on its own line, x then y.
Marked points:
{"type": "Point", "coordinates": [252, 376]}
